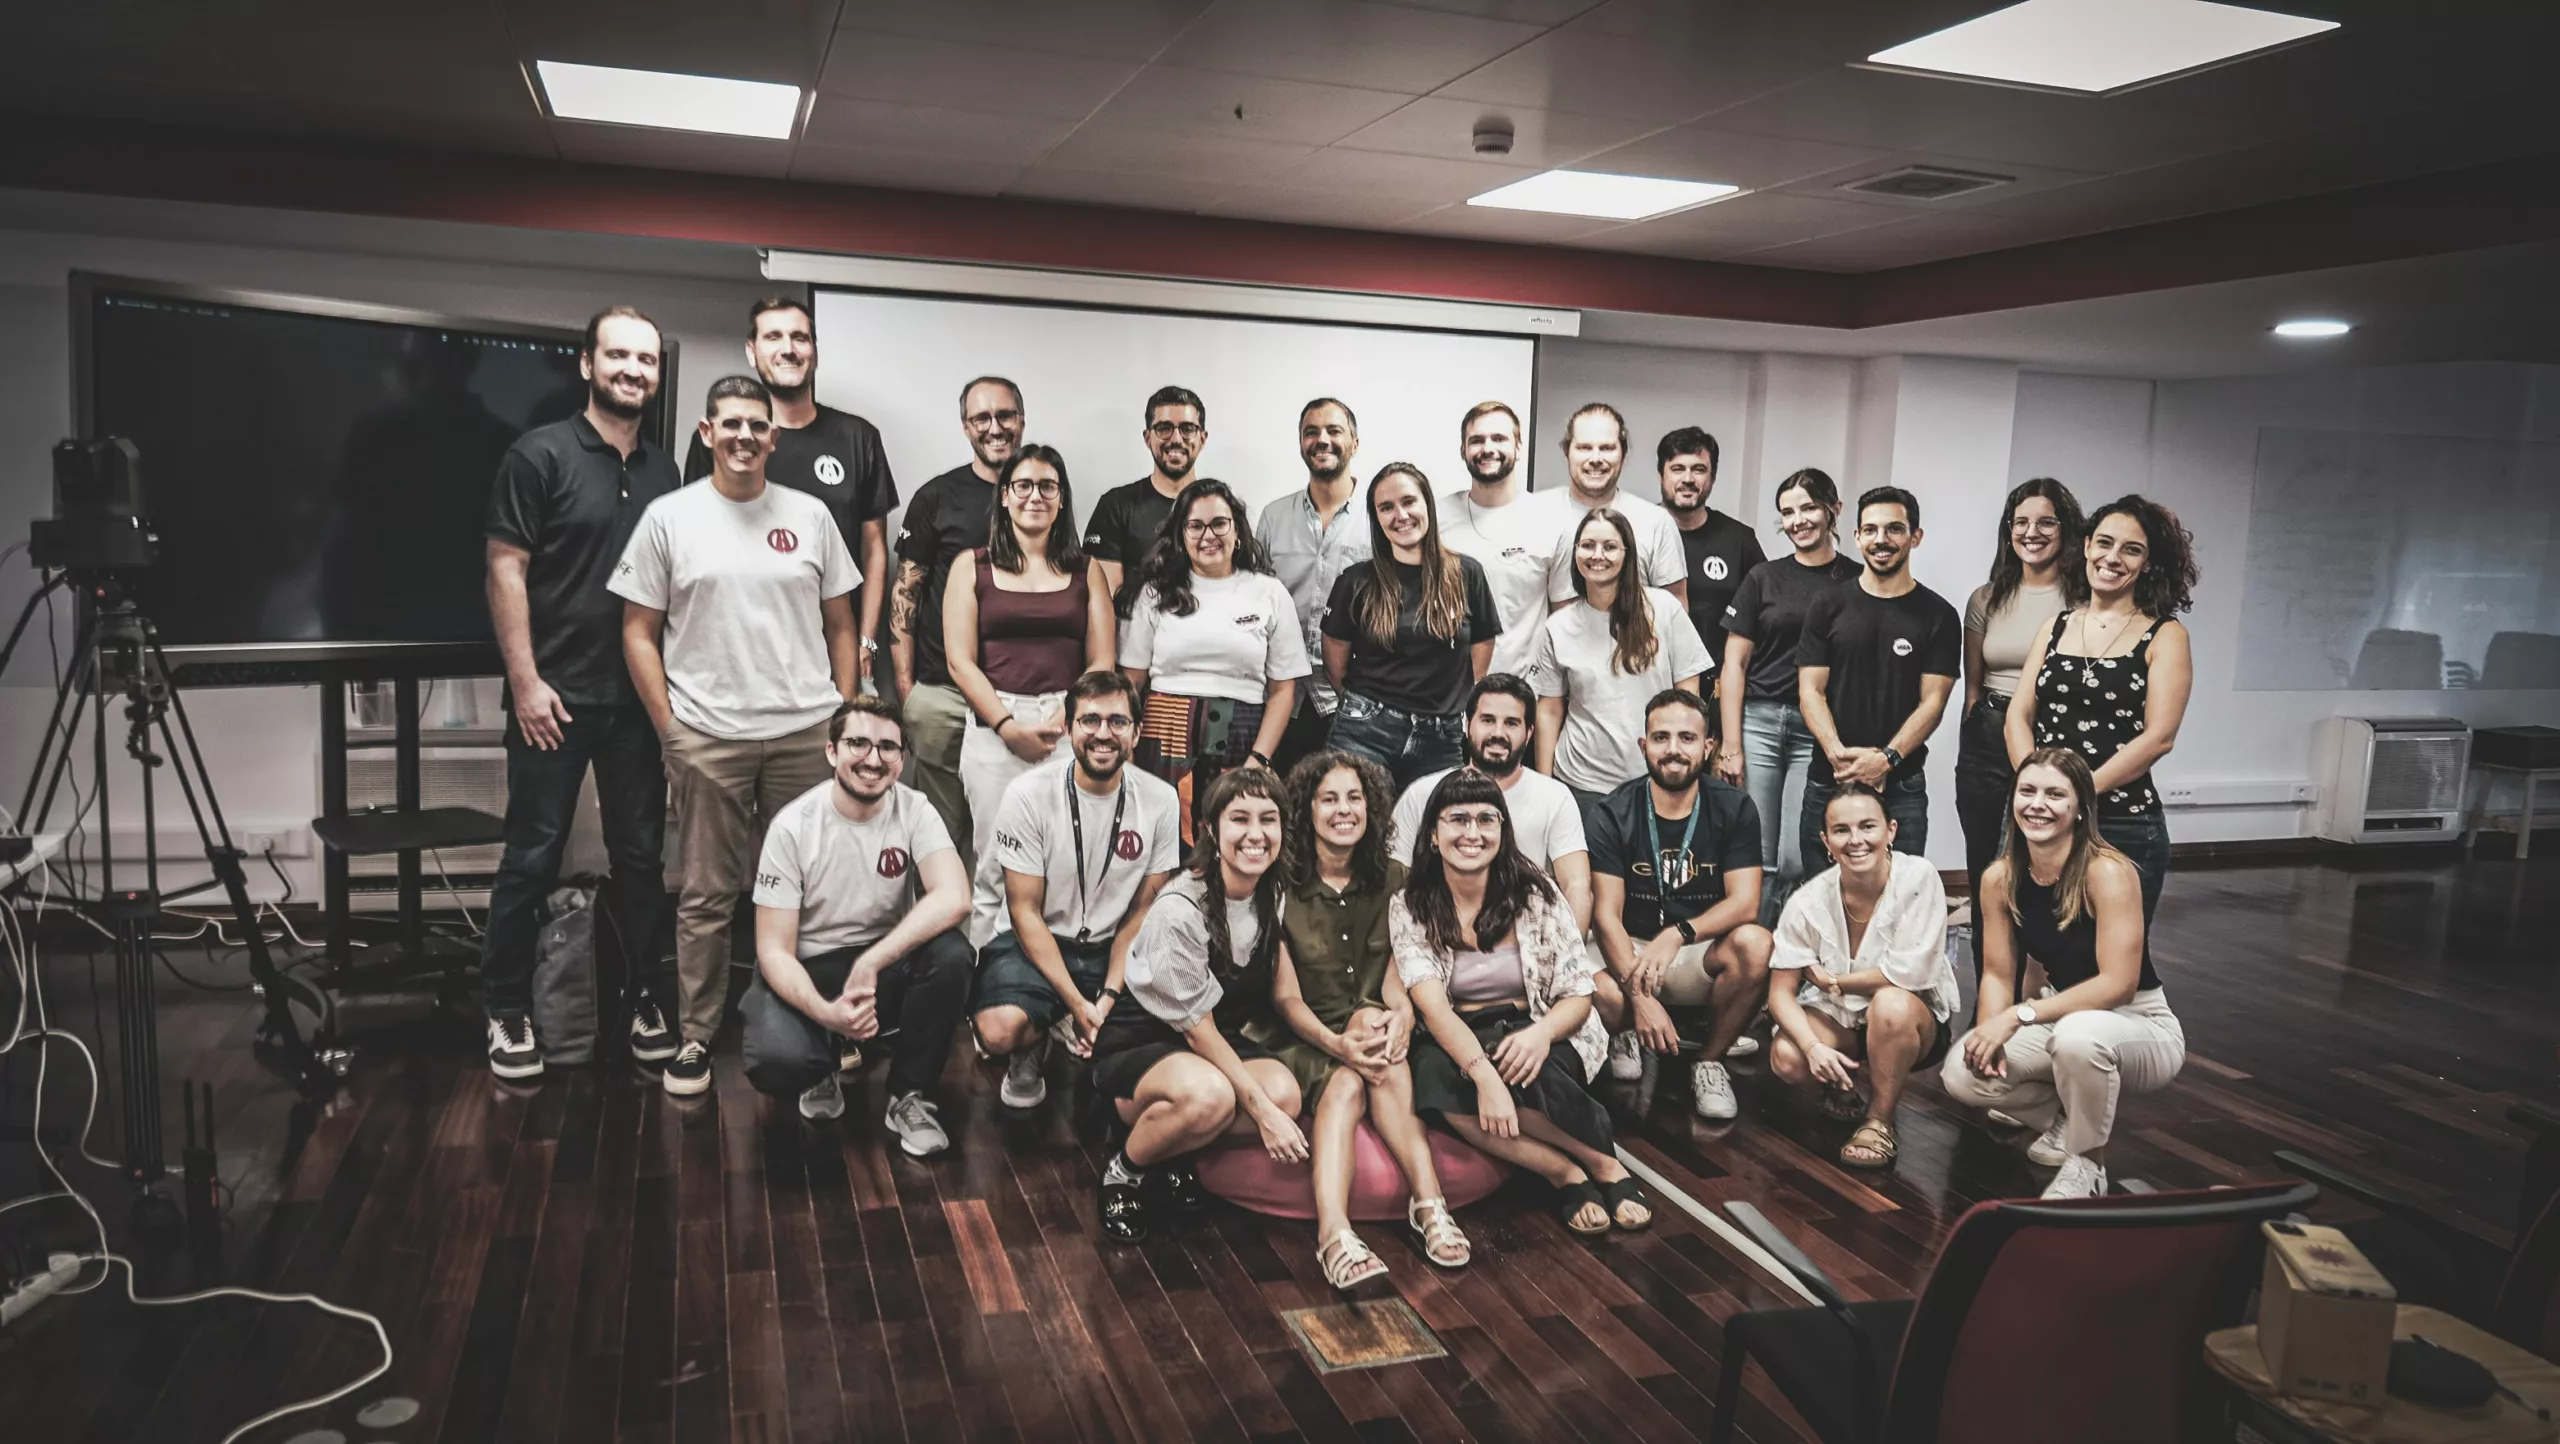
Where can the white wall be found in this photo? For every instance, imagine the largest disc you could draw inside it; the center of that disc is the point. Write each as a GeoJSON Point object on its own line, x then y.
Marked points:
{"type": "Point", "coordinates": [1658, 389]}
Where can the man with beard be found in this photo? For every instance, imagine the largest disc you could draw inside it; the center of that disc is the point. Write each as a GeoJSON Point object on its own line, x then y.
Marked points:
{"type": "Point", "coordinates": [859, 901]}
{"type": "Point", "coordinates": [1595, 452]}
{"type": "Point", "coordinates": [1085, 842]}
{"type": "Point", "coordinates": [1312, 537]}
{"type": "Point", "coordinates": [1719, 549]}
{"type": "Point", "coordinates": [833, 455]}
{"type": "Point", "coordinates": [1675, 881]}
{"type": "Point", "coordinates": [1545, 820]}
{"type": "Point", "coordinates": [737, 624]}
{"type": "Point", "coordinates": [1874, 669]}
{"type": "Point", "coordinates": [1127, 519]}
{"type": "Point", "coordinates": [946, 521]}
{"type": "Point", "coordinates": [566, 500]}
{"type": "Point", "coordinates": [1514, 535]}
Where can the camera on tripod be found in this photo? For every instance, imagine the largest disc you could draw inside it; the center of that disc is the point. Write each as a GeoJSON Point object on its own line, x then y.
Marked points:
{"type": "Point", "coordinates": [97, 525]}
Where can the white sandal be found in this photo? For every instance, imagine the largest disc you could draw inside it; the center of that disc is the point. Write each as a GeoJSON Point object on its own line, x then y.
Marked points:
{"type": "Point", "coordinates": [1443, 1242]}
{"type": "Point", "coordinates": [1347, 1262]}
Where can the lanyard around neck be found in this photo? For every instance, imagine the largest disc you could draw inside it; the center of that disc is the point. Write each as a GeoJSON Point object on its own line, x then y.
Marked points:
{"type": "Point", "coordinates": [1110, 850]}
{"type": "Point", "coordinates": [1653, 829]}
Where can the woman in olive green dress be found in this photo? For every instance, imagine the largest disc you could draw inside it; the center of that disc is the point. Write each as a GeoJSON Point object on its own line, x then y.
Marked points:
{"type": "Point", "coordinates": [1342, 1022]}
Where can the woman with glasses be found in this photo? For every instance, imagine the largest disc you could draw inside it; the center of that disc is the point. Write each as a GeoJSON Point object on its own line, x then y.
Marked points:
{"type": "Point", "coordinates": [1407, 633]}
{"type": "Point", "coordinates": [2031, 580]}
{"type": "Point", "coordinates": [1213, 640]}
{"type": "Point", "coordinates": [1761, 629]}
{"type": "Point", "coordinates": [1025, 617]}
{"type": "Point", "coordinates": [1602, 656]}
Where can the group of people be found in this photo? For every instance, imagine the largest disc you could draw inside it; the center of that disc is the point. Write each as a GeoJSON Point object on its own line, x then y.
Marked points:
{"type": "Point", "coordinates": [1387, 805]}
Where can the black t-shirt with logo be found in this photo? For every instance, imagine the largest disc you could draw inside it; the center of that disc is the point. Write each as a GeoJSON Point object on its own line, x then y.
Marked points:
{"type": "Point", "coordinates": [1720, 551]}
{"type": "Point", "coordinates": [1878, 649]}
{"type": "Point", "coordinates": [570, 499]}
{"type": "Point", "coordinates": [947, 520]}
{"type": "Point", "coordinates": [836, 458]}
{"type": "Point", "coordinates": [1728, 837]}
{"type": "Point", "coordinates": [1421, 672]}
{"type": "Point", "coordinates": [1769, 609]}
{"type": "Point", "coordinates": [1124, 524]}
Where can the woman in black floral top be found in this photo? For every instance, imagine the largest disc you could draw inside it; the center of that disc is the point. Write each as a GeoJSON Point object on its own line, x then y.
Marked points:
{"type": "Point", "coordinates": [2110, 680]}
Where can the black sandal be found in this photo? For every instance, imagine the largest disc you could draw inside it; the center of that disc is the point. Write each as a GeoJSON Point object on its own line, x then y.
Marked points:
{"type": "Point", "coordinates": [1621, 1193]}
{"type": "Point", "coordinates": [1183, 1191]}
{"type": "Point", "coordinates": [1572, 1197]}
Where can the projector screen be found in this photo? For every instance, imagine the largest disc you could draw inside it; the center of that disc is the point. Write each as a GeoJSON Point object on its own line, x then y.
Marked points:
{"type": "Point", "coordinates": [1085, 375]}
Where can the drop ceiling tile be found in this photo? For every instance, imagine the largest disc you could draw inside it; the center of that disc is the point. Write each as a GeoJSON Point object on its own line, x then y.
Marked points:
{"type": "Point", "coordinates": [1345, 42]}
{"type": "Point", "coordinates": [1620, 75]}
{"type": "Point", "coordinates": [1540, 139]}
{"type": "Point", "coordinates": [1427, 180]}
{"type": "Point", "coordinates": [1692, 152]}
{"type": "Point", "coordinates": [782, 40]}
{"type": "Point", "coordinates": [980, 135]}
{"type": "Point", "coordinates": [1153, 191]}
{"type": "Point", "coordinates": [1099, 29]}
{"type": "Point", "coordinates": [1883, 111]}
{"type": "Point", "coordinates": [1179, 98]}
{"type": "Point", "coordinates": [1488, 223]}
{"type": "Point", "coordinates": [2021, 180]}
{"type": "Point", "coordinates": [873, 66]}
{"type": "Point", "coordinates": [1195, 157]}
{"type": "Point", "coordinates": [671, 149]}
{"type": "Point", "coordinates": [1744, 223]}
{"type": "Point", "coordinates": [1896, 243]}
{"type": "Point", "coordinates": [900, 170]}
{"type": "Point", "coordinates": [1310, 206]}
{"type": "Point", "coordinates": [1527, 12]}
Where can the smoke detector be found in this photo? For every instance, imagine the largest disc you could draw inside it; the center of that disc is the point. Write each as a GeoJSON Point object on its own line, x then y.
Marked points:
{"type": "Point", "coordinates": [1493, 135]}
{"type": "Point", "coordinates": [1926, 183]}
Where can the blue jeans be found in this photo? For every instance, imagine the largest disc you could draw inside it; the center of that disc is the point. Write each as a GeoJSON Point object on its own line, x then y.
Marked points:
{"type": "Point", "coordinates": [2144, 838]}
{"type": "Point", "coordinates": [542, 800]}
{"type": "Point", "coordinates": [1407, 744]}
{"type": "Point", "coordinates": [1776, 747]}
{"type": "Point", "coordinates": [1906, 802]}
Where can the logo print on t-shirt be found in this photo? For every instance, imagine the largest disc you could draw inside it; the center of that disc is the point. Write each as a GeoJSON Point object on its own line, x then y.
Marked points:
{"type": "Point", "coordinates": [893, 862]}
{"type": "Point", "coordinates": [830, 471]}
{"type": "Point", "coordinates": [782, 539]}
{"type": "Point", "coordinates": [1712, 569]}
{"type": "Point", "coordinates": [1902, 646]}
{"type": "Point", "coordinates": [1128, 845]}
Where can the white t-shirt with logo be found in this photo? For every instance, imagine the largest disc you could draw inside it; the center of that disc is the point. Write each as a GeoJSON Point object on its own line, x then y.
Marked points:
{"type": "Point", "coordinates": [1546, 822]}
{"type": "Point", "coordinates": [851, 881]}
{"type": "Point", "coordinates": [1035, 836]}
{"type": "Point", "coordinates": [740, 582]}
{"type": "Point", "coordinates": [1242, 634]}
{"type": "Point", "coordinates": [1516, 545]}
{"type": "Point", "coordinates": [1665, 561]}
{"type": "Point", "coordinates": [1598, 747]}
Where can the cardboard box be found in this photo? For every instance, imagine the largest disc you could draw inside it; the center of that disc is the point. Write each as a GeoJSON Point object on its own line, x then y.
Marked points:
{"type": "Point", "coordinates": [2324, 1316]}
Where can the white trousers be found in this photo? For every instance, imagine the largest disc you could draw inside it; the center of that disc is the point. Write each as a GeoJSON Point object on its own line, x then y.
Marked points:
{"type": "Point", "coordinates": [987, 768]}
{"type": "Point", "coordinates": [2080, 1065]}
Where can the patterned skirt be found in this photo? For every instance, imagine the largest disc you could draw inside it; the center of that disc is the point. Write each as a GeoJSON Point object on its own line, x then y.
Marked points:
{"type": "Point", "coordinates": [1188, 741]}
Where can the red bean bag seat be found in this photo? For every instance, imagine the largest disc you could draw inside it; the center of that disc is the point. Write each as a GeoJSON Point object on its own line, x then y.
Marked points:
{"type": "Point", "coordinates": [1240, 1172]}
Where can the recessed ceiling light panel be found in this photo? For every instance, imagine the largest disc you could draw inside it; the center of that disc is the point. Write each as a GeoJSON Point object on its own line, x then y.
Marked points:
{"type": "Point", "coordinates": [2309, 329]}
{"type": "Point", "coordinates": [2097, 46]}
{"type": "Point", "coordinates": [665, 100]}
{"type": "Point", "coordinates": [1597, 193]}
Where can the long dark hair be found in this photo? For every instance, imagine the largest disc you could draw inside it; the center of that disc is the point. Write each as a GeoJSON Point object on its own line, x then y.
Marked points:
{"type": "Point", "coordinates": [2007, 571]}
{"type": "Point", "coordinates": [1369, 856]}
{"type": "Point", "coordinates": [1208, 866]}
{"type": "Point", "coordinates": [1509, 883]}
{"type": "Point", "coordinates": [1444, 576]}
{"type": "Point", "coordinates": [2167, 585]}
{"type": "Point", "coordinates": [1818, 485]}
{"type": "Point", "coordinates": [1630, 610]}
{"type": "Point", "coordinates": [2071, 889]}
{"type": "Point", "coordinates": [1004, 549]}
{"type": "Point", "coordinates": [1168, 566]}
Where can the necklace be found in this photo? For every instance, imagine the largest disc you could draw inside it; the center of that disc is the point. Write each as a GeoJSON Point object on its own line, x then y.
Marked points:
{"type": "Point", "coordinates": [2090, 657]}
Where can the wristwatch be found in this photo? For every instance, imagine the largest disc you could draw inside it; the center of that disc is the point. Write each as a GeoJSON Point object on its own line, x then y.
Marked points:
{"type": "Point", "coordinates": [1892, 759]}
{"type": "Point", "coordinates": [2027, 1014]}
{"type": "Point", "coordinates": [1688, 930]}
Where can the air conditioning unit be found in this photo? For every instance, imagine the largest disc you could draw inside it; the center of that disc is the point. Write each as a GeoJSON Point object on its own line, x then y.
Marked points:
{"type": "Point", "coordinates": [2389, 779]}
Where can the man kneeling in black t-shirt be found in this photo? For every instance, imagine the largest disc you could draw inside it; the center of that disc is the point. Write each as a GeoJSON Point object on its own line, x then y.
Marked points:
{"type": "Point", "coordinates": [1675, 902]}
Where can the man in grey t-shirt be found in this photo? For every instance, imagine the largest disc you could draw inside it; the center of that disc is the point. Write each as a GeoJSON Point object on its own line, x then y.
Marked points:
{"type": "Point", "coordinates": [1314, 535]}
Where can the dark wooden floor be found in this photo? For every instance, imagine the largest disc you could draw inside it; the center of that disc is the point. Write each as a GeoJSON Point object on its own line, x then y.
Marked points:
{"type": "Point", "coordinates": [591, 1260]}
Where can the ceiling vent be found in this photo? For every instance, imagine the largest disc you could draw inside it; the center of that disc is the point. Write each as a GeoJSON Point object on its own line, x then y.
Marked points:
{"type": "Point", "coordinates": [1926, 183]}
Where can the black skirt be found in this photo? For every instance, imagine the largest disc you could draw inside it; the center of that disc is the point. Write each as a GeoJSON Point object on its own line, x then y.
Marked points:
{"type": "Point", "coordinates": [1133, 1041]}
{"type": "Point", "coordinates": [1440, 1089]}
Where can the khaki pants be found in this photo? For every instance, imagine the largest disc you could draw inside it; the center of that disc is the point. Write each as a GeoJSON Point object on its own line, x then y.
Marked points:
{"type": "Point", "coordinates": [937, 717]}
{"type": "Point", "coordinates": [1685, 984]}
{"type": "Point", "coordinates": [2081, 1065]}
{"type": "Point", "coordinates": [724, 794]}
{"type": "Point", "coordinates": [987, 768]}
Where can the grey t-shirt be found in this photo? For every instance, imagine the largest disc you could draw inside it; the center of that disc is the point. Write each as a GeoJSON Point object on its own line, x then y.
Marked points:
{"type": "Point", "coordinates": [1169, 970]}
{"type": "Point", "coordinates": [1035, 836]}
{"type": "Point", "coordinates": [851, 881]}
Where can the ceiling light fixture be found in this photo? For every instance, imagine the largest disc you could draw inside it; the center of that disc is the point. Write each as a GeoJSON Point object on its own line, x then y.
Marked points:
{"type": "Point", "coordinates": [664, 100]}
{"type": "Point", "coordinates": [2311, 330]}
{"type": "Point", "coordinates": [2096, 46]}
{"type": "Point", "coordinates": [1599, 194]}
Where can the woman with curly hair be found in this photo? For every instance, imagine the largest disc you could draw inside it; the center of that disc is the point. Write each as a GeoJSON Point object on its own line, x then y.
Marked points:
{"type": "Point", "coordinates": [2109, 680]}
{"type": "Point", "coordinates": [1343, 1021]}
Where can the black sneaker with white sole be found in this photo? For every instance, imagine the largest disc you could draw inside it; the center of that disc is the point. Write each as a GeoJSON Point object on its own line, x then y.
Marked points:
{"type": "Point", "coordinates": [690, 1071]}
{"type": "Point", "coordinates": [652, 1041]}
{"type": "Point", "coordinates": [512, 1051]}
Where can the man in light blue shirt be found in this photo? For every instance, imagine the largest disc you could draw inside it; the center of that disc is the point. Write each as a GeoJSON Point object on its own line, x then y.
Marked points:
{"type": "Point", "coordinates": [1313, 536]}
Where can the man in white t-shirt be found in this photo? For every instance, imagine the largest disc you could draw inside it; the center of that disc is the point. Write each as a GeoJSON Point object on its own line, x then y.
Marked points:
{"type": "Point", "coordinates": [859, 900]}
{"type": "Point", "coordinates": [1595, 452]}
{"type": "Point", "coordinates": [1545, 821]}
{"type": "Point", "coordinates": [1512, 534]}
{"type": "Point", "coordinates": [737, 624]}
{"type": "Point", "coordinates": [1084, 843]}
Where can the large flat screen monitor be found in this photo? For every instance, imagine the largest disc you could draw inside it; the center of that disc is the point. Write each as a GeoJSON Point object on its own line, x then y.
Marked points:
{"type": "Point", "coordinates": [317, 471]}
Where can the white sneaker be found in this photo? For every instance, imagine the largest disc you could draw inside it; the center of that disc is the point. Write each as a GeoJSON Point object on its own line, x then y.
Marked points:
{"type": "Point", "coordinates": [1743, 1047]}
{"type": "Point", "coordinates": [1626, 1056]}
{"type": "Point", "coordinates": [824, 1099]}
{"type": "Point", "coordinates": [2047, 1151]}
{"type": "Point", "coordinates": [2079, 1178]}
{"type": "Point", "coordinates": [918, 1127]}
{"type": "Point", "coordinates": [512, 1052]}
{"type": "Point", "coordinates": [1999, 1119]}
{"type": "Point", "coordinates": [1023, 1086]}
{"type": "Point", "coordinates": [1713, 1090]}
{"type": "Point", "coordinates": [690, 1073]}
{"type": "Point", "coordinates": [652, 1041]}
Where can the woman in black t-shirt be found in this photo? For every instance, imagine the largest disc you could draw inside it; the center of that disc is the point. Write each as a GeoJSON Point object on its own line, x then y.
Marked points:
{"type": "Point", "coordinates": [1406, 634]}
{"type": "Point", "coordinates": [2068, 1053]}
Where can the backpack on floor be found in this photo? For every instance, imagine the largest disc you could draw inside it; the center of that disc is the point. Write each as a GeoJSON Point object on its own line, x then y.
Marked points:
{"type": "Point", "coordinates": [566, 1008]}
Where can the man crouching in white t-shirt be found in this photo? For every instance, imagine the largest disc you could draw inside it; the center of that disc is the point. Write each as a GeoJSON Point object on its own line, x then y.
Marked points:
{"type": "Point", "coordinates": [859, 900]}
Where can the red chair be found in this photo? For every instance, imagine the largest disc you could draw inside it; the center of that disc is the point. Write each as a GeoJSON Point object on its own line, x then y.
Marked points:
{"type": "Point", "coordinates": [2080, 1320]}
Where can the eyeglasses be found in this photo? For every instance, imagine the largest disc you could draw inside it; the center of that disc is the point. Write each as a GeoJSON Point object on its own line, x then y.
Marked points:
{"type": "Point", "coordinates": [1894, 529]}
{"type": "Point", "coordinates": [980, 421]}
{"type": "Point", "coordinates": [2039, 525]}
{"type": "Point", "coordinates": [1028, 487]}
{"type": "Point", "coordinates": [1166, 431]}
{"type": "Point", "coordinates": [866, 746]}
{"type": "Point", "coordinates": [1215, 526]}
{"type": "Point", "coordinates": [1100, 722]}
{"type": "Point", "coordinates": [1487, 821]}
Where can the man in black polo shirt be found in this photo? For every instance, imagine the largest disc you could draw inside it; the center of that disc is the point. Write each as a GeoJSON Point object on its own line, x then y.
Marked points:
{"type": "Point", "coordinates": [833, 455]}
{"type": "Point", "coordinates": [946, 521]}
{"type": "Point", "coordinates": [1125, 522]}
{"type": "Point", "coordinates": [1675, 903]}
{"type": "Point", "coordinates": [1720, 549]}
{"type": "Point", "coordinates": [566, 499]}
{"type": "Point", "coordinates": [1873, 671]}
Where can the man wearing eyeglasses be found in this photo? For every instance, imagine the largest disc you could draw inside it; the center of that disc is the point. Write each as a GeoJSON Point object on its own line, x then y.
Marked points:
{"type": "Point", "coordinates": [1084, 843]}
{"type": "Point", "coordinates": [947, 518]}
{"type": "Point", "coordinates": [1128, 518]}
{"type": "Point", "coordinates": [737, 625]}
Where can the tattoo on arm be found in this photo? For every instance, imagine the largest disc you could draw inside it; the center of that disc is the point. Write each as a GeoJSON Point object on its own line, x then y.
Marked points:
{"type": "Point", "coordinates": [902, 601]}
